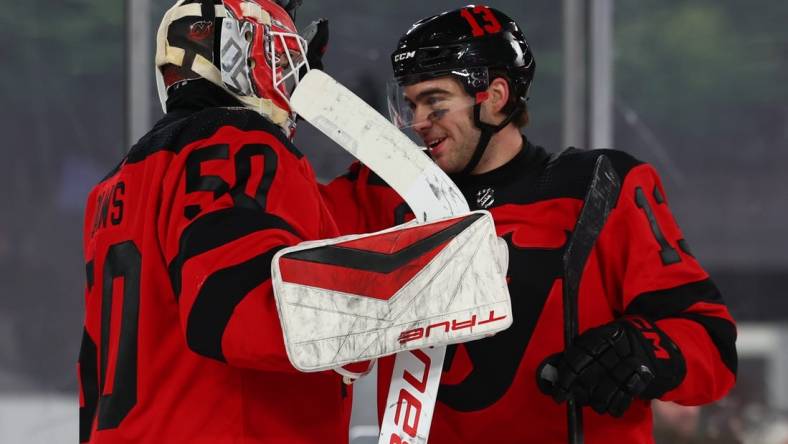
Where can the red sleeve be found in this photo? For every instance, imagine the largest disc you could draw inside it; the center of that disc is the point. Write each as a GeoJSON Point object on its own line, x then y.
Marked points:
{"type": "Point", "coordinates": [341, 198]}
{"type": "Point", "coordinates": [231, 201]}
{"type": "Point", "coordinates": [648, 264]}
{"type": "Point", "coordinates": [361, 202]}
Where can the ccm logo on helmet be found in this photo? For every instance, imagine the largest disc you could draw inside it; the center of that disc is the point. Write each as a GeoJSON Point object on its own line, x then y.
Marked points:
{"type": "Point", "coordinates": [404, 56]}
{"type": "Point", "coordinates": [453, 325]}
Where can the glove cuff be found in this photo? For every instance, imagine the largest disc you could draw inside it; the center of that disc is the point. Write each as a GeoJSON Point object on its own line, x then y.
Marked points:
{"type": "Point", "coordinates": [664, 357]}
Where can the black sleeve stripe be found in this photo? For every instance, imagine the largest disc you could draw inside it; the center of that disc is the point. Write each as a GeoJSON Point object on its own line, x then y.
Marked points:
{"type": "Point", "coordinates": [219, 296]}
{"type": "Point", "coordinates": [684, 245]}
{"type": "Point", "coordinates": [661, 304]}
{"type": "Point", "coordinates": [658, 197]}
{"type": "Point", "coordinates": [216, 229]}
{"type": "Point", "coordinates": [88, 375]}
{"type": "Point", "coordinates": [350, 176]}
{"type": "Point", "coordinates": [89, 275]}
{"type": "Point", "coordinates": [673, 302]}
{"type": "Point", "coordinates": [400, 212]}
{"type": "Point", "coordinates": [723, 335]}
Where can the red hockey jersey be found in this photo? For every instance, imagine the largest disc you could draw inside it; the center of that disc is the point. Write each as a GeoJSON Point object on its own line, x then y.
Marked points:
{"type": "Point", "coordinates": [640, 265]}
{"type": "Point", "coordinates": [182, 342]}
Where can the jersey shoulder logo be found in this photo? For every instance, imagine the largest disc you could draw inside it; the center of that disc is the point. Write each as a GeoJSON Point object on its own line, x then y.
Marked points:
{"type": "Point", "coordinates": [485, 198]}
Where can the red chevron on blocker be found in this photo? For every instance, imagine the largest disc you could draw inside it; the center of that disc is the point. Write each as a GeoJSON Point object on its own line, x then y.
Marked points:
{"type": "Point", "coordinates": [373, 266]}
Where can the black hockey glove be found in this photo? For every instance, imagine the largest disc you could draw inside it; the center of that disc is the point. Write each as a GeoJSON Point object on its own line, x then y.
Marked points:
{"type": "Point", "coordinates": [290, 6]}
{"type": "Point", "coordinates": [608, 366]}
{"type": "Point", "coordinates": [316, 36]}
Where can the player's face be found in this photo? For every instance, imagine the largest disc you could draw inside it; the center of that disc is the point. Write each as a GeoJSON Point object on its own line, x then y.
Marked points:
{"type": "Point", "coordinates": [443, 118]}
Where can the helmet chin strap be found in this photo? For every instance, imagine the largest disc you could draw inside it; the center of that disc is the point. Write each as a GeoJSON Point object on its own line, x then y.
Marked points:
{"type": "Point", "coordinates": [488, 131]}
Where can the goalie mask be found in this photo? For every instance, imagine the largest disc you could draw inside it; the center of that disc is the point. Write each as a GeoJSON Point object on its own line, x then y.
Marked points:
{"type": "Point", "coordinates": [250, 49]}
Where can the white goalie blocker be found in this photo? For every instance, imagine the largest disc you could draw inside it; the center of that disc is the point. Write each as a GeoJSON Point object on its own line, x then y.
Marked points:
{"type": "Point", "coordinates": [416, 285]}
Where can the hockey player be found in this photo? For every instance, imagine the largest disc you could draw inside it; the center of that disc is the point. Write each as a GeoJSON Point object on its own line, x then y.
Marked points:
{"type": "Point", "coordinates": [181, 341]}
{"type": "Point", "coordinates": [652, 323]}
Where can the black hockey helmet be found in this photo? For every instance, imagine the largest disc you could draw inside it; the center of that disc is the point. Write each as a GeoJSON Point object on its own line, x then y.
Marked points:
{"type": "Point", "coordinates": [473, 44]}
{"type": "Point", "coordinates": [468, 37]}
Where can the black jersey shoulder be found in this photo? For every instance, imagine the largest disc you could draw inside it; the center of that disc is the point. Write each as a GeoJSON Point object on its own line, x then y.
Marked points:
{"type": "Point", "coordinates": [206, 122]}
{"type": "Point", "coordinates": [176, 130]}
{"type": "Point", "coordinates": [545, 177]}
{"type": "Point", "coordinates": [568, 174]}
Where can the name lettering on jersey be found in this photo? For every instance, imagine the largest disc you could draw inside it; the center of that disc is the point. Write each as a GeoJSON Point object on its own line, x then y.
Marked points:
{"type": "Point", "coordinates": [404, 56]}
{"type": "Point", "coordinates": [446, 326]}
{"type": "Point", "coordinates": [109, 207]}
{"type": "Point", "coordinates": [407, 418]}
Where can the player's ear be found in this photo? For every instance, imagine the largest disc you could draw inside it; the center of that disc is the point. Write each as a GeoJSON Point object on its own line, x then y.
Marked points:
{"type": "Point", "coordinates": [499, 94]}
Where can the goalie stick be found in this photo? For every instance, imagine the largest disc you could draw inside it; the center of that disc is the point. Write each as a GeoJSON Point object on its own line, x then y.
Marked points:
{"type": "Point", "coordinates": [371, 138]}
{"type": "Point", "coordinates": [599, 200]}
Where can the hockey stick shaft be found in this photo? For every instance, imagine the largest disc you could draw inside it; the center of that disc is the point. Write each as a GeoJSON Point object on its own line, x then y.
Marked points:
{"type": "Point", "coordinates": [599, 200]}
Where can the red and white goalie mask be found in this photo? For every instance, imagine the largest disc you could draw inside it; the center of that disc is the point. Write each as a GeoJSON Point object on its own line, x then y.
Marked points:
{"type": "Point", "coordinates": [250, 48]}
